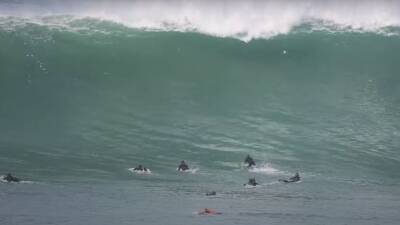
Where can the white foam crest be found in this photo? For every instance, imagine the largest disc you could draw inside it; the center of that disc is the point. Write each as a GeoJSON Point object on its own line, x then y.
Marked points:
{"type": "Point", "coordinates": [265, 168]}
{"type": "Point", "coordinates": [243, 19]}
{"type": "Point", "coordinates": [19, 182]}
{"type": "Point", "coordinates": [191, 170]}
{"type": "Point", "coordinates": [148, 171]}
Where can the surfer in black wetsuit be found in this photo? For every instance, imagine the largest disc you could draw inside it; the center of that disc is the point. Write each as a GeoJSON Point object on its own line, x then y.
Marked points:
{"type": "Point", "coordinates": [250, 161]}
{"type": "Point", "coordinates": [210, 193]}
{"type": "Point", "coordinates": [10, 178]}
{"type": "Point", "coordinates": [183, 166]}
{"type": "Point", "coordinates": [208, 211]}
{"type": "Point", "coordinates": [252, 182]}
{"type": "Point", "coordinates": [141, 168]}
{"type": "Point", "coordinates": [295, 178]}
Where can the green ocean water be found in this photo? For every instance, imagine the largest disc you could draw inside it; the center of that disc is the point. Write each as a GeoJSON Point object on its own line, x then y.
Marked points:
{"type": "Point", "coordinates": [79, 107]}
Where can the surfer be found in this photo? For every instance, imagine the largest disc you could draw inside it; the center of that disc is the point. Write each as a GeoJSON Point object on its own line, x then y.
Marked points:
{"type": "Point", "coordinates": [295, 178]}
{"type": "Point", "coordinates": [141, 168]}
{"type": "Point", "coordinates": [207, 211]}
{"type": "Point", "coordinates": [211, 193]}
{"type": "Point", "coordinates": [250, 161]}
{"type": "Point", "coordinates": [11, 178]}
{"type": "Point", "coordinates": [252, 182]}
{"type": "Point", "coordinates": [183, 166]}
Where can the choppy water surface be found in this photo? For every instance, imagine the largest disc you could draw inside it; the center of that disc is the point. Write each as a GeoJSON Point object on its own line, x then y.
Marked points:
{"type": "Point", "coordinates": [84, 97]}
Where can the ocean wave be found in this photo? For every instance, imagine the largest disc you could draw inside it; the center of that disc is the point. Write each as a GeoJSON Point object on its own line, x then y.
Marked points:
{"type": "Point", "coordinates": [244, 20]}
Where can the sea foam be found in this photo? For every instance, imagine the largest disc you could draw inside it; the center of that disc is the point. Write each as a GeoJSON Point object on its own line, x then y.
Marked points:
{"type": "Point", "coordinates": [245, 20]}
{"type": "Point", "coordinates": [265, 168]}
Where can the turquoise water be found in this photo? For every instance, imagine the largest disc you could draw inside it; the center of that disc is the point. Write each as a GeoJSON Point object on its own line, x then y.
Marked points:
{"type": "Point", "coordinates": [79, 107]}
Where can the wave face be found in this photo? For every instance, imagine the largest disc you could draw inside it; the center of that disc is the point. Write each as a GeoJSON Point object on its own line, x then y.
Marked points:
{"type": "Point", "coordinates": [89, 90]}
{"type": "Point", "coordinates": [246, 20]}
{"type": "Point", "coordinates": [104, 98]}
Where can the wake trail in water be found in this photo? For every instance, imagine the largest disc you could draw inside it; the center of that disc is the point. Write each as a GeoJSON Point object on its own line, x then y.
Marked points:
{"type": "Point", "coordinates": [265, 168]}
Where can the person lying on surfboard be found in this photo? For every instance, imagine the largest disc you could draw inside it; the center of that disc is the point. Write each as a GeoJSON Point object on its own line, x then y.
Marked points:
{"type": "Point", "coordinates": [211, 193]}
{"type": "Point", "coordinates": [208, 211]}
{"type": "Point", "coordinates": [295, 178]}
{"type": "Point", "coordinates": [11, 178]}
{"type": "Point", "coordinates": [141, 168]}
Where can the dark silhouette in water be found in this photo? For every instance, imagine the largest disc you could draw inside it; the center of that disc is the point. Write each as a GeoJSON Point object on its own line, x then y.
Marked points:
{"type": "Point", "coordinates": [208, 211]}
{"type": "Point", "coordinates": [250, 161]}
{"type": "Point", "coordinates": [10, 178]}
{"type": "Point", "coordinates": [295, 178]}
{"type": "Point", "coordinates": [252, 182]}
{"type": "Point", "coordinates": [183, 166]}
{"type": "Point", "coordinates": [141, 168]}
{"type": "Point", "coordinates": [210, 193]}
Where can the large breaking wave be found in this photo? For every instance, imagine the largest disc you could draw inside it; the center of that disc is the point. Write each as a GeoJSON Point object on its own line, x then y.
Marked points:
{"type": "Point", "coordinates": [245, 20]}
{"type": "Point", "coordinates": [83, 91]}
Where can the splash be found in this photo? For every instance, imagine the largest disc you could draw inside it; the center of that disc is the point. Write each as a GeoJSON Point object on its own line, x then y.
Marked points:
{"type": "Point", "coordinates": [140, 172]}
{"type": "Point", "coordinates": [245, 20]}
{"type": "Point", "coordinates": [265, 169]}
{"type": "Point", "coordinates": [192, 170]}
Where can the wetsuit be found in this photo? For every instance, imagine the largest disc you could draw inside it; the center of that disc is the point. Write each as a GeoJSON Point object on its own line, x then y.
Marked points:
{"type": "Point", "coordinates": [10, 178]}
{"type": "Point", "coordinates": [211, 193]}
{"type": "Point", "coordinates": [140, 168]}
{"type": "Point", "coordinates": [249, 161]}
{"type": "Point", "coordinates": [183, 166]}
{"type": "Point", "coordinates": [252, 182]}
{"type": "Point", "coordinates": [295, 178]}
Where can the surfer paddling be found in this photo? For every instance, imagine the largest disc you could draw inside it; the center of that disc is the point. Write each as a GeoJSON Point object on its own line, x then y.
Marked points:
{"type": "Point", "coordinates": [140, 168]}
{"type": "Point", "coordinates": [10, 178]}
{"type": "Point", "coordinates": [293, 179]}
{"type": "Point", "coordinates": [208, 211]}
